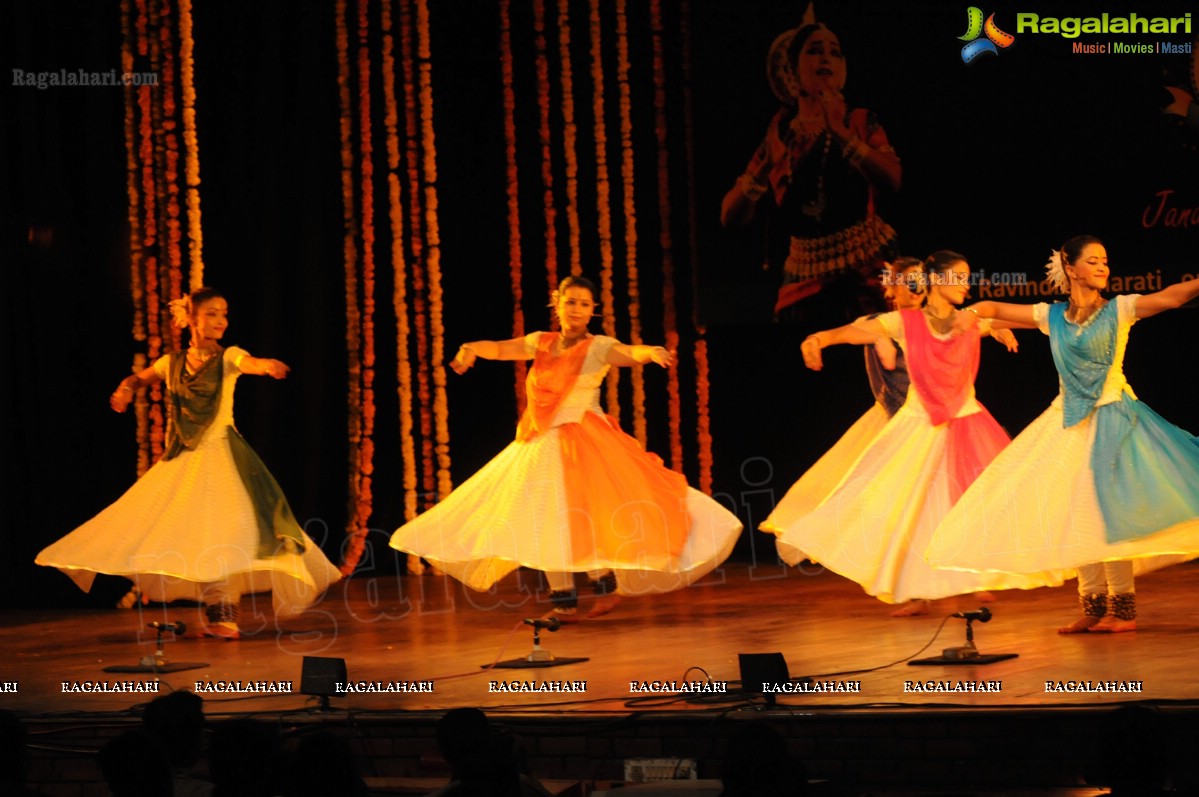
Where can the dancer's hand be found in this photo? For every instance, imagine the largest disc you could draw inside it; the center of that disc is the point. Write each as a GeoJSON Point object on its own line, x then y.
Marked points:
{"type": "Point", "coordinates": [1005, 337]}
{"type": "Point", "coordinates": [464, 360]}
{"type": "Point", "coordinates": [662, 356]}
{"type": "Point", "coordinates": [121, 398]}
{"type": "Point", "coordinates": [811, 352]}
{"type": "Point", "coordinates": [275, 369]}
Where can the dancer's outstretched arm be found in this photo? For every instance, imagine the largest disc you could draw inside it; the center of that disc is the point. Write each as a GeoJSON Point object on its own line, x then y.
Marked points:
{"type": "Point", "coordinates": [624, 354]}
{"type": "Point", "coordinates": [1167, 298]}
{"type": "Point", "coordinates": [123, 395]}
{"type": "Point", "coordinates": [464, 360]}
{"type": "Point", "coordinates": [860, 332]}
{"type": "Point", "coordinates": [264, 366]}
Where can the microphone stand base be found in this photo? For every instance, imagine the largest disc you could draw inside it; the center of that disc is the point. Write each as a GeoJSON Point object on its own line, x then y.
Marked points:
{"type": "Point", "coordinates": [155, 667]}
{"type": "Point", "coordinates": [528, 663]}
{"type": "Point", "coordinates": [978, 658]}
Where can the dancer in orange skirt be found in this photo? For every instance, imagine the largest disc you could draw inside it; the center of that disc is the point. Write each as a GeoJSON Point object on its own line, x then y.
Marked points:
{"type": "Point", "coordinates": [573, 493]}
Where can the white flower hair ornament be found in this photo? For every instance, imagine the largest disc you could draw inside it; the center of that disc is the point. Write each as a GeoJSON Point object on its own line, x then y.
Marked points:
{"type": "Point", "coordinates": [1055, 272]}
{"type": "Point", "coordinates": [181, 311]}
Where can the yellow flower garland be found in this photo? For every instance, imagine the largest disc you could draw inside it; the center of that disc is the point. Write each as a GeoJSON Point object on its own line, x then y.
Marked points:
{"type": "Point", "coordinates": [191, 144]}
{"type": "Point", "coordinates": [433, 249]}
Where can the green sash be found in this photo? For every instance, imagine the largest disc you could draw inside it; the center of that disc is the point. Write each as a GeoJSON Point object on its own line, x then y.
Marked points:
{"type": "Point", "coordinates": [278, 530]}
{"type": "Point", "coordinates": [192, 403]}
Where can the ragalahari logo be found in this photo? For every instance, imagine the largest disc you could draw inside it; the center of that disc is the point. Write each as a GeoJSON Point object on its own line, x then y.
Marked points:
{"type": "Point", "coordinates": [975, 27]}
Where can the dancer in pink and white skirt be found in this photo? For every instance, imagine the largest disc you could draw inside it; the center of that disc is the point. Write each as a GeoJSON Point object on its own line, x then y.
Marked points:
{"type": "Point", "coordinates": [873, 526]}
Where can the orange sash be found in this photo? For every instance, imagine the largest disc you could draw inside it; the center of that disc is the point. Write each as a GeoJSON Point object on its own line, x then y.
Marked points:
{"type": "Point", "coordinates": [549, 382]}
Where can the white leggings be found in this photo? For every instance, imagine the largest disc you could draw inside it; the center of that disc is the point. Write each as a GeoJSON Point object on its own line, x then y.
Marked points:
{"type": "Point", "coordinates": [1106, 578]}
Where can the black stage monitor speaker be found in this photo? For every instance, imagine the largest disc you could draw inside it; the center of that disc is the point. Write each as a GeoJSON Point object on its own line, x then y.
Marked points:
{"type": "Point", "coordinates": [320, 675]}
{"type": "Point", "coordinates": [762, 668]}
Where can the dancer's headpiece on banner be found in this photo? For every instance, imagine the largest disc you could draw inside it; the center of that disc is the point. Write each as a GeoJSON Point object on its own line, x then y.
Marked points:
{"type": "Point", "coordinates": [780, 66]}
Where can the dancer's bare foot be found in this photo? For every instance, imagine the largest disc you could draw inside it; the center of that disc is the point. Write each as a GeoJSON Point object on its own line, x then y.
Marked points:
{"type": "Point", "coordinates": [226, 631]}
{"type": "Point", "coordinates": [984, 597]}
{"type": "Point", "coordinates": [603, 604]}
{"type": "Point", "coordinates": [1113, 625]}
{"type": "Point", "coordinates": [914, 608]}
{"type": "Point", "coordinates": [1080, 626]}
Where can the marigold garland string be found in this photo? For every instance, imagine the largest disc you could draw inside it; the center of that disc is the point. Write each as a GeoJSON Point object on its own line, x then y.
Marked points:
{"type": "Point", "coordinates": [569, 138]}
{"type": "Point", "coordinates": [433, 251]}
{"type": "Point", "coordinates": [603, 202]}
{"type": "Point", "coordinates": [153, 186]}
{"type": "Point", "coordinates": [350, 258]}
{"type": "Point", "coordinates": [703, 389]}
{"type": "Point", "coordinates": [136, 288]}
{"type": "Point", "coordinates": [150, 242]}
{"type": "Point", "coordinates": [171, 155]}
{"type": "Point", "coordinates": [669, 320]}
{"type": "Point", "coordinates": [630, 212]}
{"type": "Point", "coordinates": [416, 218]}
{"type": "Point", "coordinates": [514, 251]}
{"type": "Point", "coordinates": [541, 60]}
{"type": "Point", "coordinates": [399, 269]}
{"type": "Point", "coordinates": [191, 144]}
{"type": "Point", "coordinates": [365, 464]}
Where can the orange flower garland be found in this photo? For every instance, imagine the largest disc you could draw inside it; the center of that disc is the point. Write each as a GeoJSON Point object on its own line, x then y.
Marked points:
{"type": "Point", "coordinates": [603, 208]}
{"type": "Point", "coordinates": [569, 137]}
{"type": "Point", "coordinates": [191, 144]}
{"type": "Point", "coordinates": [136, 289]}
{"type": "Point", "coordinates": [171, 165]}
{"type": "Point", "coordinates": [350, 256]}
{"type": "Point", "coordinates": [514, 251]}
{"type": "Point", "coordinates": [152, 173]}
{"type": "Point", "coordinates": [669, 320]}
{"type": "Point", "coordinates": [417, 240]}
{"type": "Point", "coordinates": [630, 213]}
{"type": "Point", "coordinates": [365, 465]}
{"type": "Point", "coordinates": [547, 163]}
{"type": "Point", "coordinates": [702, 386]}
{"type": "Point", "coordinates": [149, 190]}
{"type": "Point", "coordinates": [440, 404]}
{"type": "Point", "coordinates": [400, 278]}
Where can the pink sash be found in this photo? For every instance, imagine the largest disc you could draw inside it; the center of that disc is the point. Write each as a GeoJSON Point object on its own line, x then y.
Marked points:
{"type": "Point", "coordinates": [942, 374]}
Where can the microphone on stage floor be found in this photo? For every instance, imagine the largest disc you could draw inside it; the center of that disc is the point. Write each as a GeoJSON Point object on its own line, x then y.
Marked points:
{"type": "Point", "coordinates": [175, 628]}
{"type": "Point", "coordinates": [552, 624]}
{"type": "Point", "coordinates": [983, 615]}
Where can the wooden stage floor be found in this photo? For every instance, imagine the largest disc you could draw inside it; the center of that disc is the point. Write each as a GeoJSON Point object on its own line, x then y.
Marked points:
{"type": "Point", "coordinates": [426, 628]}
